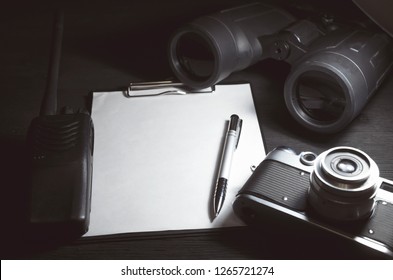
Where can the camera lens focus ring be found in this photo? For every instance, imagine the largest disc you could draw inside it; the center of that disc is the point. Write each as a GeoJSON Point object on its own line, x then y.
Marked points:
{"type": "Point", "coordinates": [343, 184]}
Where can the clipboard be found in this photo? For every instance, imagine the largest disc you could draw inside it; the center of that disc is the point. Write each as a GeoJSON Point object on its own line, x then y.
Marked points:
{"type": "Point", "coordinates": [156, 158]}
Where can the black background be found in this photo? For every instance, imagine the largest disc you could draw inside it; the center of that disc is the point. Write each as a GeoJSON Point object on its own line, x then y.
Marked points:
{"type": "Point", "coordinates": [106, 45]}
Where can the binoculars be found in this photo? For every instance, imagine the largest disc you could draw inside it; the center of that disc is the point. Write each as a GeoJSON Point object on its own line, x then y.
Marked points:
{"type": "Point", "coordinates": [334, 69]}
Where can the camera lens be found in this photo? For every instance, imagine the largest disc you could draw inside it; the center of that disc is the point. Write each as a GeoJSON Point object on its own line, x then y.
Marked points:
{"type": "Point", "coordinates": [320, 96]}
{"type": "Point", "coordinates": [195, 56]}
{"type": "Point", "coordinates": [343, 184]}
{"type": "Point", "coordinates": [347, 166]}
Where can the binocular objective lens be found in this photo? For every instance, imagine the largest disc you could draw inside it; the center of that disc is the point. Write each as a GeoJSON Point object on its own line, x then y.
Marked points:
{"type": "Point", "coordinates": [320, 96]}
{"type": "Point", "coordinates": [195, 56]}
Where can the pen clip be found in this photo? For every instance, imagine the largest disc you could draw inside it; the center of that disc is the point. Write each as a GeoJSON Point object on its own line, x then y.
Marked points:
{"type": "Point", "coordinates": [161, 88]}
{"type": "Point", "coordinates": [239, 131]}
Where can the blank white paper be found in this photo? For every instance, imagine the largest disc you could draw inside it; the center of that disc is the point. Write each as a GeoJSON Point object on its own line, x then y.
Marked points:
{"type": "Point", "coordinates": [156, 159]}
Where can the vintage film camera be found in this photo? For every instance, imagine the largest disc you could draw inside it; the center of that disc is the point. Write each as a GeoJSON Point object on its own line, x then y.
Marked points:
{"type": "Point", "coordinates": [335, 69]}
{"type": "Point", "coordinates": [338, 192]}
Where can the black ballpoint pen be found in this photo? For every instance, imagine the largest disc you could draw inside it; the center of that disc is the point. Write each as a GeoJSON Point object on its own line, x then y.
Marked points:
{"type": "Point", "coordinates": [230, 145]}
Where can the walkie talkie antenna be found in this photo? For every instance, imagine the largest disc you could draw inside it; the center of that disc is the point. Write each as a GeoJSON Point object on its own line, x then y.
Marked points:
{"type": "Point", "coordinates": [49, 102]}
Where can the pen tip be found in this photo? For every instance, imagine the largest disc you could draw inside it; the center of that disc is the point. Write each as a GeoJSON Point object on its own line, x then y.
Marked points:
{"type": "Point", "coordinates": [214, 215]}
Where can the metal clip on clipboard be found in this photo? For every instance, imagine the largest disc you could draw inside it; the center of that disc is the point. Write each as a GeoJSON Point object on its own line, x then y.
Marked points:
{"type": "Point", "coordinates": [139, 89]}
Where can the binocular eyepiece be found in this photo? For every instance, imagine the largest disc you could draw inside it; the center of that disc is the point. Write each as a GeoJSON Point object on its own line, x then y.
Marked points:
{"type": "Point", "coordinates": [334, 70]}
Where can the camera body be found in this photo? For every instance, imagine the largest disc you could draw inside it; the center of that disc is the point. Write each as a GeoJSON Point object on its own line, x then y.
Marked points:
{"type": "Point", "coordinates": [338, 192]}
{"type": "Point", "coordinates": [335, 68]}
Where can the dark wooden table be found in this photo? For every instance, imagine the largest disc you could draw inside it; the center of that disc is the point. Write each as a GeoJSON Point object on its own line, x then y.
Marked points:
{"type": "Point", "coordinates": [109, 44]}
